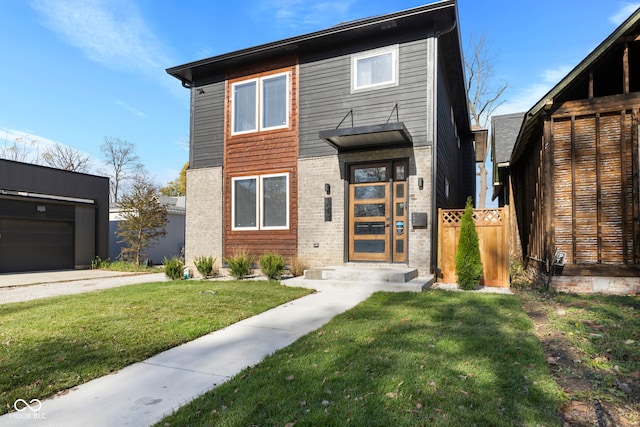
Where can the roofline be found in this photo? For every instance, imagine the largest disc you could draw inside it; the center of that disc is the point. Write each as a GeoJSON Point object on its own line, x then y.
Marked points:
{"type": "Point", "coordinates": [573, 74]}
{"type": "Point", "coordinates": [291, 43]}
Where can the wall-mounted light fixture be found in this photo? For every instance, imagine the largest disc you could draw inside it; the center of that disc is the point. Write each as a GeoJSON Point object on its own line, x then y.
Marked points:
{"type": "Point", "coordinates": [327, 189]}
{"type": "Point", "coordinates": [420, 183]}
{"type": "Point", "coordinates": [41, 208]}
{"type": "Point", "coordinates": [200, 91]}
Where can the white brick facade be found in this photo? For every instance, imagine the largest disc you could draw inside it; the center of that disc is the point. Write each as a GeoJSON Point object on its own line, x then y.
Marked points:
{"type": "Point", "coordinates": [203, 227]}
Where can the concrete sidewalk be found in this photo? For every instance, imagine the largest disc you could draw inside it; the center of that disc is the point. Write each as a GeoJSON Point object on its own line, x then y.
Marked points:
{"type": "Point", "coordinates": [143, 393]}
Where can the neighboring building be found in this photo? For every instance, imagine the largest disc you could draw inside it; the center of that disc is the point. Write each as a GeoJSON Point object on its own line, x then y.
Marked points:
{"type": "Point", "coordinates": [172, 244]}
{"type": "Point", "coordinates": [336, 146]}
{"type": "Point", "coordinates": [51, 219]}
{"type": "Point", "coordinates": [575, 170]}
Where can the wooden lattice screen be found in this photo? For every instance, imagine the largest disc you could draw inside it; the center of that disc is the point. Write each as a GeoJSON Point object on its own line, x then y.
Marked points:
{"type": "Point", "coordinates": [492, 227]}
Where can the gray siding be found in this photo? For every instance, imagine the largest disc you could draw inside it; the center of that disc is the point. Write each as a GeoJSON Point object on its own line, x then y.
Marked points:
{"type": "Point", "coordinates": [448, 151]}
{"type": "Point", "coordinates": [325, 96]}
{"type": "Point", "coordinates": [207, 125]}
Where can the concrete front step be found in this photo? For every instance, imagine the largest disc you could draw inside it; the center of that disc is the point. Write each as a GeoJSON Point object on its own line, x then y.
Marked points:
{"type": "Point", "coordinates": [368, 286]}
{"type": "Point", "coordinates": [362, 274]}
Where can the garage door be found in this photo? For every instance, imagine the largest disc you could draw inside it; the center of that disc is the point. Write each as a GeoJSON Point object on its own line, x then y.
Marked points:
{"type": "Point", "coordinates": [35, 245]}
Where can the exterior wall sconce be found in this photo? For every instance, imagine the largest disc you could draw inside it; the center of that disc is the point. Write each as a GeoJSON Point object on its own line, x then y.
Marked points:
{"type": "Point", "coordinates": [327, 189]}
{"type": "Point", "coordinates": [420, 183]}
{"type": "Point", "coordinates": [41, 208]}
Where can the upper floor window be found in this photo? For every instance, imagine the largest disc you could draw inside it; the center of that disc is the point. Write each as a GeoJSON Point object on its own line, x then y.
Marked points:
{"type": "Point", "coordinates": [260, 104]}
{"type": "Point", "coordinates": [375, 68]}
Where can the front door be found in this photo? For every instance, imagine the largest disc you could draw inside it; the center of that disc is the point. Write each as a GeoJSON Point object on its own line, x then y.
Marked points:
{"type": "Point", "coordinates": [378, 212]}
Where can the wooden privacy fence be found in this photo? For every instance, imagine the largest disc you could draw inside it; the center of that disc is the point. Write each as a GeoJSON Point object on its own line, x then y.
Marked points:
{"type": "Point", "coordinates": [492, 227]}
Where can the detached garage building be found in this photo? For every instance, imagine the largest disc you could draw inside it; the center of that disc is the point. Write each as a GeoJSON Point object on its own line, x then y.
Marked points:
{"type": "Point", "coordinates": [51, 219]}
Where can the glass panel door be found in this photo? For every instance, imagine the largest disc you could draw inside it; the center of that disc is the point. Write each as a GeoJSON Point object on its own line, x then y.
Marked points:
{"type": "Point", "coordinates": [369, 222]}
{"type": "Point", "coordinates": [378, 212]}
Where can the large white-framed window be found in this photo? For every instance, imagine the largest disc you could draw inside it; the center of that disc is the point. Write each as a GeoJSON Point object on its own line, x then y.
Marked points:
{"type": "Point", "coordinates": [374, 69]}
{"type": "Point", "coordinates": [260, 202]}
{"type": "Point", "coordinates": [260, 104]}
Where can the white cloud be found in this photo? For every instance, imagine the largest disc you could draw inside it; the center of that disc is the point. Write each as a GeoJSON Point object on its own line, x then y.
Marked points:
{"type": "Point", "coordinates": [111, 32]}
{"type": "Point", "coordinates": [625, 11]}
{"type": "Point", "coordinates": [131, 109]}
{"type": "Point", "coordinates": [302, 14]}
{"type": "Point", "coordinates": [526, 98]}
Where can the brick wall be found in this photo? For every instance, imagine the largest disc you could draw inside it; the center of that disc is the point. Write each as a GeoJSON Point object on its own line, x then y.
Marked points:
{"type": "Point", "coordinates": [322, 243]}
{"type": "Point", "coordinates": [203, 223]}
{"type": "Point", "coordinates": [595, 284]}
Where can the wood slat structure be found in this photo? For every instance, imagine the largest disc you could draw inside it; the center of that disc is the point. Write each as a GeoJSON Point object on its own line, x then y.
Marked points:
{"type": "Point", "coordinates": [492, 228]}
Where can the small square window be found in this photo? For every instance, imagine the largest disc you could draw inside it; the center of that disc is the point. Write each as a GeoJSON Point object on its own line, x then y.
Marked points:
{"type": "Point", "coordinates": [375, 69]}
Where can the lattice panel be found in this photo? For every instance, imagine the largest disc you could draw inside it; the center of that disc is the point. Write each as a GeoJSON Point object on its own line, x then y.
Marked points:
{"type": "Point", "coordinates": [451, 218]}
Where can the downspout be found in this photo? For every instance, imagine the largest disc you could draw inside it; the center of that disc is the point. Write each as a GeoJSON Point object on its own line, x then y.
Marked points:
{"type": "Point", "coordinates": [434, 152]}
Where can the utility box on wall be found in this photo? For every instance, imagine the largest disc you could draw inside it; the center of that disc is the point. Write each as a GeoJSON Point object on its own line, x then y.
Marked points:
{"type": "Point", "coordinates": [419, 219]}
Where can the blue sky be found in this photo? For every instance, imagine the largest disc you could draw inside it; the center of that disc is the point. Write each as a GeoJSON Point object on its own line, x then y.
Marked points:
{"type": "Point", "coordinates": [77, 71]}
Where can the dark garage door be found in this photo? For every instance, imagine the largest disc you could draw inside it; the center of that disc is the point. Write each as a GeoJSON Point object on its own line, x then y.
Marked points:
{"type": "Point", "coordinates": [35, 245]}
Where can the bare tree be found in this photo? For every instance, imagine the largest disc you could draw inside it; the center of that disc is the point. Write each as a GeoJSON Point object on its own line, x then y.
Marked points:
{"type": "Point", "coordinates": [123, 163]}
{"type": "Point", "coordinates": [18, 151]}
{"type": "Point", "coordinates": [67, 158]}
{"type": "Point", "coordinates": [484, 96]}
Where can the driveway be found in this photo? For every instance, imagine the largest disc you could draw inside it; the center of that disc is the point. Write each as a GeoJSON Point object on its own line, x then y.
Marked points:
{"type": "Point", "coordinates": [15, 287]}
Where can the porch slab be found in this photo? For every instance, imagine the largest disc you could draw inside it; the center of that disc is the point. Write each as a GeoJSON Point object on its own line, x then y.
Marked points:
{"type": "Point", "coordinates": [418, 284]}
{"type": "Point", "coordinates": [363, 274]}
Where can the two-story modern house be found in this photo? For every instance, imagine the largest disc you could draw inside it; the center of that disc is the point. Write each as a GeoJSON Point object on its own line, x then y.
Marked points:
{"type": "Point", "coordinates": [336, 146]}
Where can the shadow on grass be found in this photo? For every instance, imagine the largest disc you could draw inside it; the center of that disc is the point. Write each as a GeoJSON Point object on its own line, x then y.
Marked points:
{"type": "Point", "coordinates": [436, 358]}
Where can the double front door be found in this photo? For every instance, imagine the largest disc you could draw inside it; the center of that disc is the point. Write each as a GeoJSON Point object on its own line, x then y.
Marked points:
{"type": "Point", "coordinates": [378, 212]}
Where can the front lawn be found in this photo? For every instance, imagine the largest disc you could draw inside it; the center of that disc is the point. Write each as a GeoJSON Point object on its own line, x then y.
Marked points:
{"type": "Point", "coordinates": [51, 344]}
{"type": "Point", "coordinates": [436, 358]}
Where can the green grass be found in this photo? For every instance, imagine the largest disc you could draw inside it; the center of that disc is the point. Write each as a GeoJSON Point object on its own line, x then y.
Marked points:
{"type": "Point", "coordinates": [49, 345]}
{"type": "Point", "coordinates": [438, 358]}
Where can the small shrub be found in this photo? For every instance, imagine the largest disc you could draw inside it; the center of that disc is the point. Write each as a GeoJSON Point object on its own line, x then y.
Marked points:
{"type": "Point", "coordinates": [468, 263]}
{"type": "Point", "coordinates": [205, 266]}
{"type": "Point", "coordinates": [240, 264]}
{"type": "Point", "coordinates": [272, 265]}
{"type": "Point", "coordinates": [173, 268]}
{"type": "Point", "coordinates": [98, 263]}
{"type": "Point", "coordinates": [297, 267]}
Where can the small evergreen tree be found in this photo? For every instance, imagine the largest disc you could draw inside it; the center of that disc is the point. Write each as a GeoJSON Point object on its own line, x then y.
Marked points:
{"type": "Point", "coordinates": [468, 263]}
{"type": "Point", "coordinates": [144, 221]}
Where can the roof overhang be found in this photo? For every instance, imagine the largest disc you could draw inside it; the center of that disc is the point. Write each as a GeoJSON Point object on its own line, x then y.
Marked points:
{"type": "Point", "coordinates": [480, 137]}
{"type": "Point", "coordinates": [533, 117]}
{"type": "Point", "coordinates": [388, 135]}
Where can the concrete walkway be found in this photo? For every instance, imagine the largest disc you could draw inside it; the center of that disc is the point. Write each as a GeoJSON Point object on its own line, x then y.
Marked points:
{"type": "Point", "coordinates": [143, 393]}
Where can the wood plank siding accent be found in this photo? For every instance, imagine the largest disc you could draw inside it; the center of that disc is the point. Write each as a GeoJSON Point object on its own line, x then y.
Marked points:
{"type": "Point", "coordinates": [585, 167]}
{"type": "Point", "coordinates": [260, 153]}
{"type": "Point", "coordinates": [326, 97]}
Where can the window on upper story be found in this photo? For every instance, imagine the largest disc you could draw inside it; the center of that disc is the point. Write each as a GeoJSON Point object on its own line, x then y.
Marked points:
{"type": "Point", "coordinates": [374, 69]}
{"type": "Point", "coordinates": [260, 202]}
{"type": "Point", "coordinates": [260, 104]}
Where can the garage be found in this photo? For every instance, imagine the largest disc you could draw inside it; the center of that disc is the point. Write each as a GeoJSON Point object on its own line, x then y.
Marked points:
{"type": "Point", "coordinates": [35, 245]}
{"type": "Point", "coordinates": [51, 219]}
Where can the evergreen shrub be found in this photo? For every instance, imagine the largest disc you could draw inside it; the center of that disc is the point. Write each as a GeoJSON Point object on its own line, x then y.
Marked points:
{"type": "Point", "coordinates": [468, 263]}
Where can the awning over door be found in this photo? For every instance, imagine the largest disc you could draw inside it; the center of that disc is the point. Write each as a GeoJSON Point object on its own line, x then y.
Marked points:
{"type": "Point", "coordinates": [387, 135]}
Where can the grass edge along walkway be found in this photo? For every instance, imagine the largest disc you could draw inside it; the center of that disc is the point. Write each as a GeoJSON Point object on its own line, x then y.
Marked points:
{"type": "Point", "coordinates": [52, 344]}
{"type": "Point", "coordinates": [436, 358]}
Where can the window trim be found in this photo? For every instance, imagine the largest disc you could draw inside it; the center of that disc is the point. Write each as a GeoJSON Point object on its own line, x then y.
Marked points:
{"type": "Point", "coordinates": [260, 203]}
{"type": "Point", "coordinates": [261, 101]}
{"type": "Point", "coordinates": [276, 227]}
{"type": "Point", "coordinates": [233, 202]}
{"type": "Point", "coordinates": [233, 109]}
{"type": "Point", "coordinates": [259, 119]}
{"type": "Point", "coordinates": [393, 49]}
